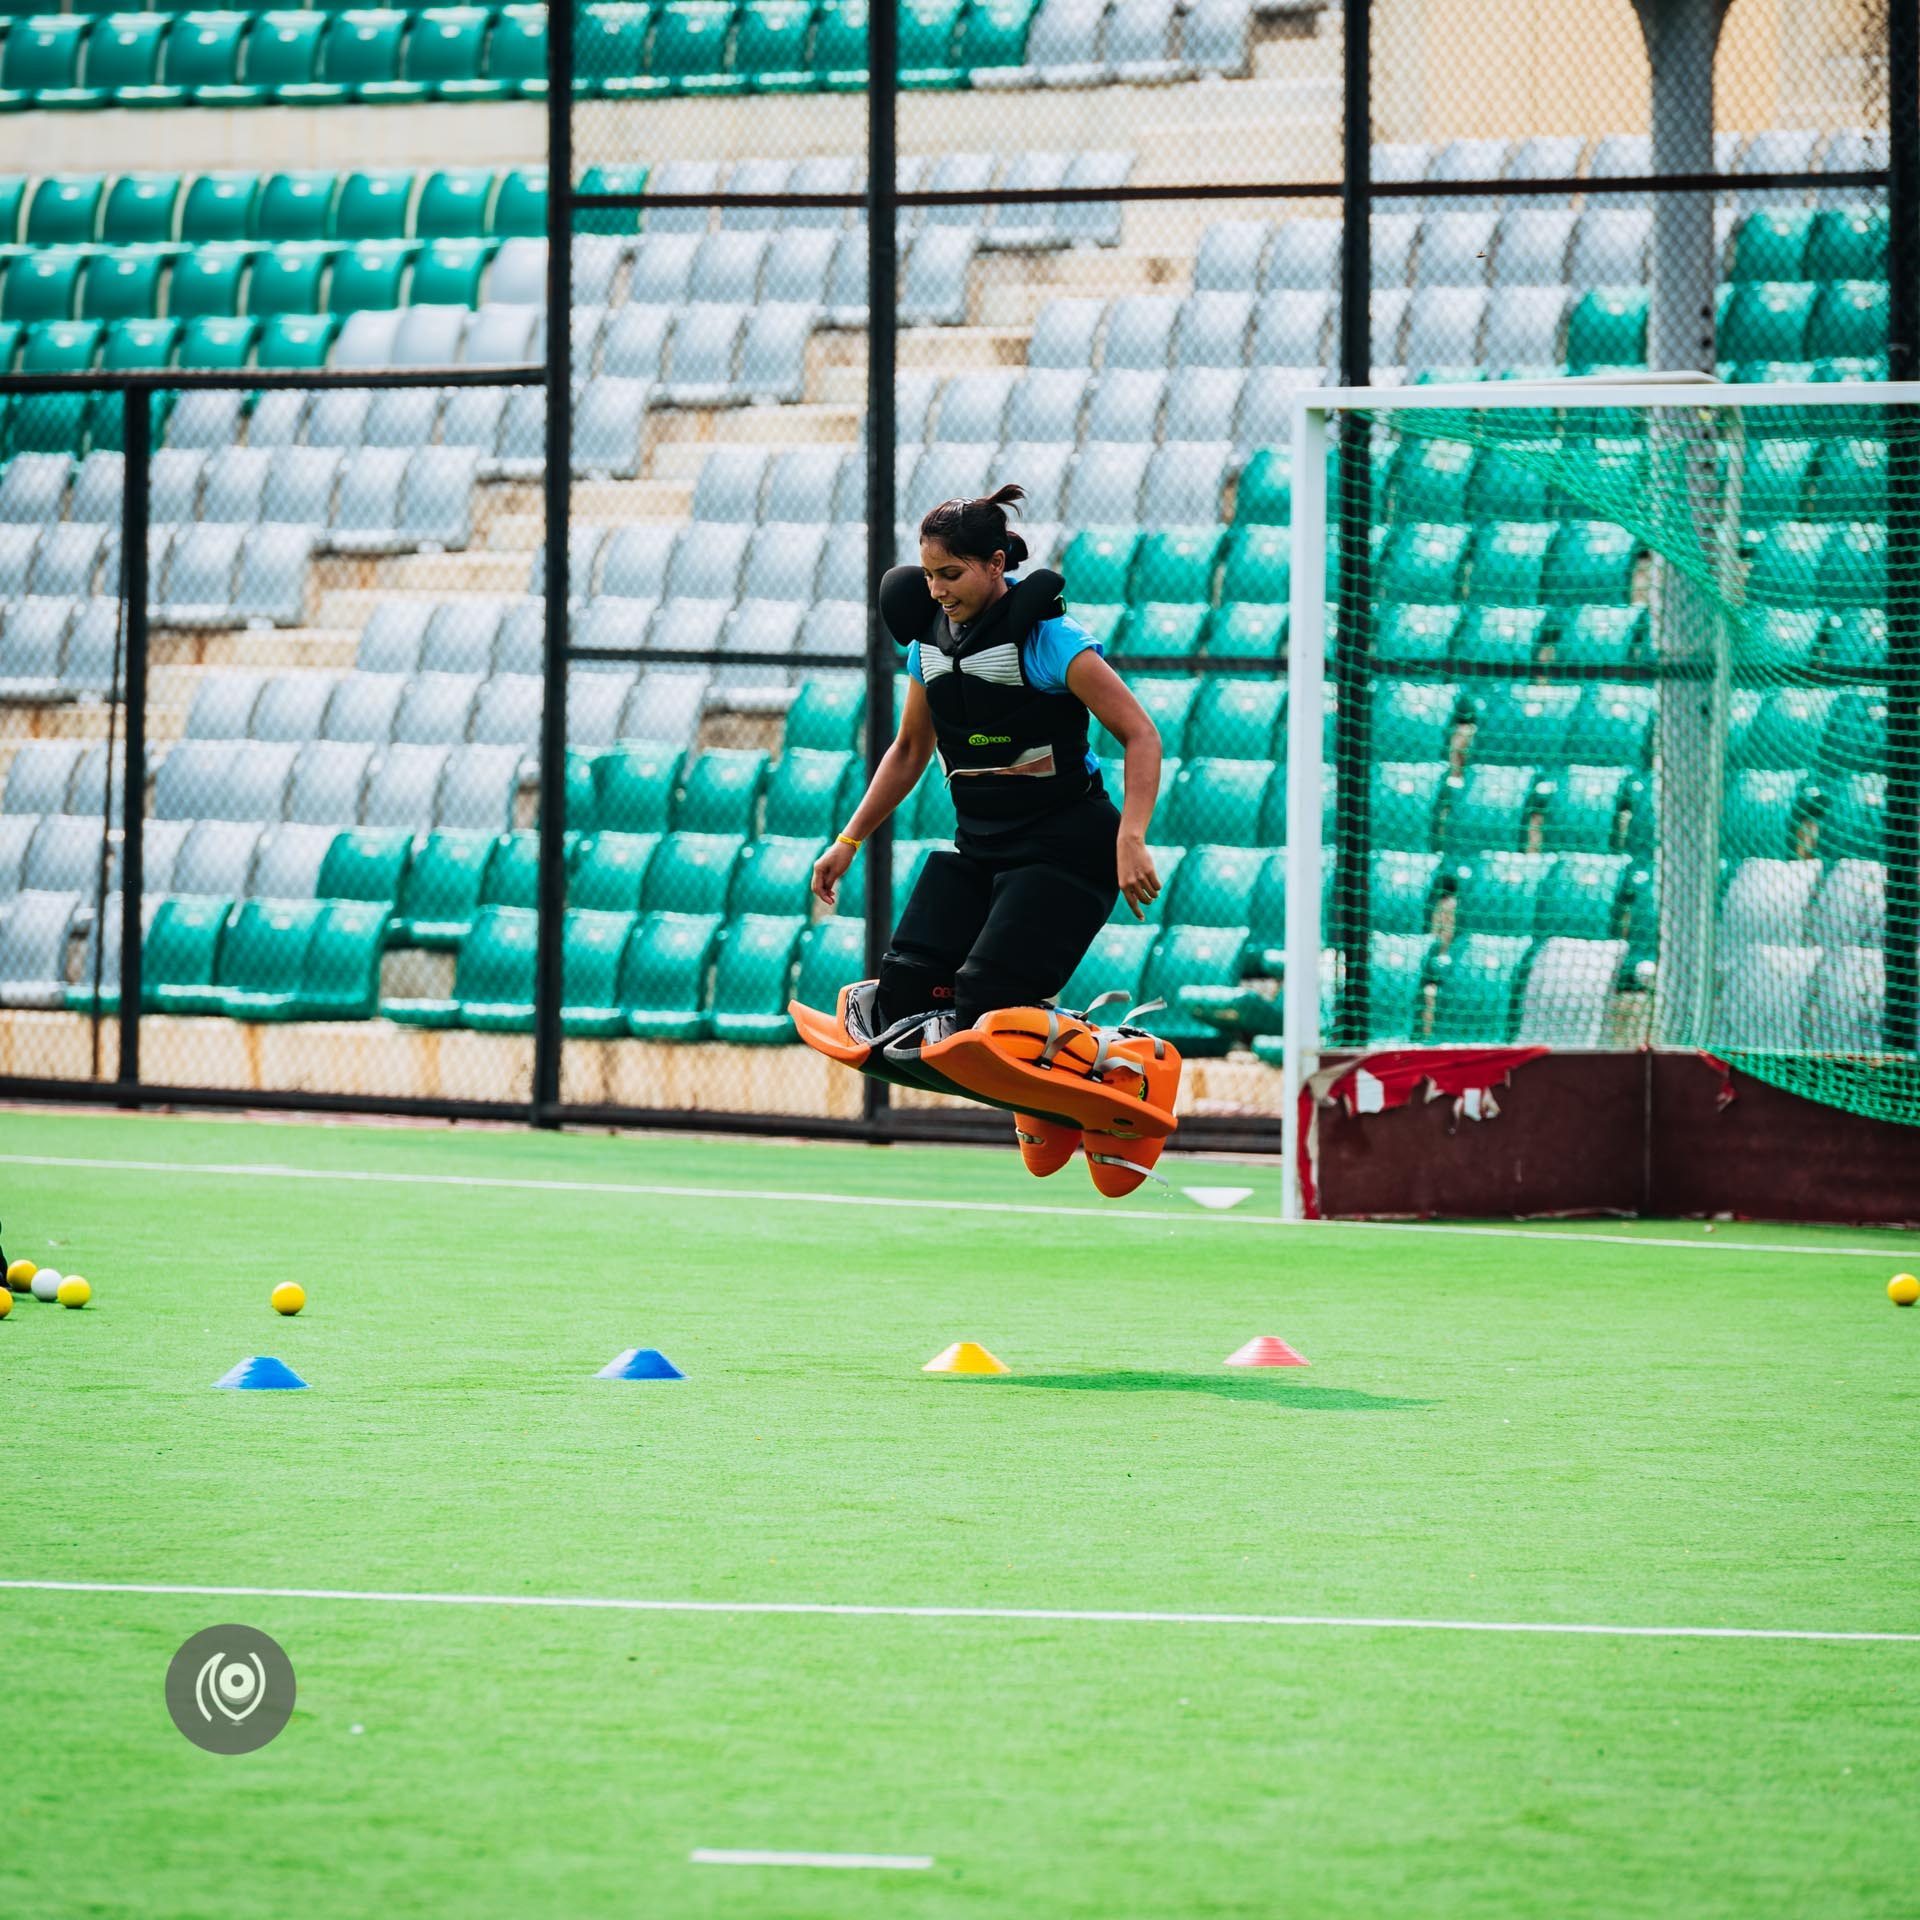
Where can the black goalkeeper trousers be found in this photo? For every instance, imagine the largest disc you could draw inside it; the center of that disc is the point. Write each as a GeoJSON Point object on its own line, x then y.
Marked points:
{"type": "Point", "coordinates": [1003, 923]}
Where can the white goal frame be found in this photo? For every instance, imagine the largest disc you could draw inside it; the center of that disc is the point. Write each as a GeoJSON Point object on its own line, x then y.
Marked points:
{"type": "Point", "coordinates": [1313, 409]}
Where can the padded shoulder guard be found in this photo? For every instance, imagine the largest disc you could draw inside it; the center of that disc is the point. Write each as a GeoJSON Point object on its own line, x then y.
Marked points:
{"type": "Point", "coordinates": [910, 611]}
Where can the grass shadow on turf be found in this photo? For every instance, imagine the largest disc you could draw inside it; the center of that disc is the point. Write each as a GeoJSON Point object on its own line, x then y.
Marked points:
{"type": "Point", "coordinates": [1229, 1386]}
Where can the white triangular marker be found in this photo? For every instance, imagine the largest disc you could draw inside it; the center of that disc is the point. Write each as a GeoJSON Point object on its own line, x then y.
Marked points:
{"type": "Point", "coordinates": [1218, 1199]}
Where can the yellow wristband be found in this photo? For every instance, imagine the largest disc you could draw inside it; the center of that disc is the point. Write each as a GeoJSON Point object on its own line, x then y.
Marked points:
{"type": "Point", "coordinates": [847, 840]}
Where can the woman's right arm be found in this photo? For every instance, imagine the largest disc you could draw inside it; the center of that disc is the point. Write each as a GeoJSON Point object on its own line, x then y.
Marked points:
{"type": "Point", "coordinates": [893, 779]}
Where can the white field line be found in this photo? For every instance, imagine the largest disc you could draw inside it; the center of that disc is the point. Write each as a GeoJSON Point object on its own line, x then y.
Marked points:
{"type": "Point", "coordinates": [932, 1203]}
{"type": "Point", "coordinates": [1065, 1616]}
{"type": "Point", "coordinates": [763, 1857]}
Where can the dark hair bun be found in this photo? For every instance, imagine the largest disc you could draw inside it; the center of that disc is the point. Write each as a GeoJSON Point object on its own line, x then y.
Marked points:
{"type": "Point", "coordinates": [977, 529]}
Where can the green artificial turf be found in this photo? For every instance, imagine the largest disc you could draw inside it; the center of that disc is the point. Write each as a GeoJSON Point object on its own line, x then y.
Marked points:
{"type": "Point", "coordinates": [1514, 1428]}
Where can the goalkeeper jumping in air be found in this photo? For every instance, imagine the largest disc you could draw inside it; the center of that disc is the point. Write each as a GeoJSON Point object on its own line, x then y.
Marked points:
{"type": "Point", "coordinates": [1001, 684]}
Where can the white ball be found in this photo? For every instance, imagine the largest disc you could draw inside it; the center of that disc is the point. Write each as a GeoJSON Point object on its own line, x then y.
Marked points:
{"type": "Point", "coordinates": [46, 1284]}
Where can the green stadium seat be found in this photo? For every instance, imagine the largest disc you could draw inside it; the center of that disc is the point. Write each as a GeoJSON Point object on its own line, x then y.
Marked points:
{"type": "Point", "coordinates": [1504, 486]}
{"type": "Point", "coordinates": [282, 66]}
{"type": "Point", "coordinates": [1421, 563]}
{"type": "Point", "coordinates": [1211, 886]}
{"type": "Point", "coordinates": [360, 60]}
{"type": "Point", "coordinates": [340, 976]}
{"type": "Point", "coordinates": [1853, 568]}
{"type": "Point", "coordinates": [927, 813]}
{"type": "Point", "coordinates": [203, 60]}
{"type": "Point", "coordinates": [1591, 563]}
{"type": "Point", "coordinates": [261, 959]}
{"type": "Point", "coordinates": [40, 64]}
{"type": "Point", "coordinates": [1602, 637]}
{"type": "Point", "coordinates": [663, 981]}
{"type": "Point", "coordinates": [1851, 812]}
{"type": "Point", "coordinates": [1104, 623]}
{"type": "Point", "coordinates": [1773, 483]}
{"type": "Point", "coordinates": [1477, 989]}
{"type": "Point", "coordinates": [1849, 319]}
{"type": "Point", "coordinates": [289, 278]}
{"type": "Point", "coordinates": [612, 179]}
{"type": "Point", "coordinates": [689, 54]}
{"type": "Point", "coordinates": [1258, 567]}
{"type": "Point", "coordinates": [207, 280]}
{"type": "Point", "coordinates": [141, 208]}
{"type": "Point", "coordinates": [1156, 632]}
{"type": "Point", "coordinates": [1506, 566]}
{"type": "Point", "coordinates": [610, 49]}
{"type": "Point", "coordinates": [1431, 480]}
{"type": "Point", "coordinates": [840, 46]}
{"type": "Point", "coordinates": [611, 871]}
{"type": "Point", "coordinates": [448, 273]}
{"type": "Point", "coordinates": [803, 793]}
{"type": "Point", "coordinates": [181, 954]}
{"type": "Point", "coordinates": [1174, 566]}
{"type": "Point", "coordinates": [65, 210]}
{"type": "Point", "coordinates": [217, 341]}
{"type": "Point", "coordinates": [1849, 480]}
{"type": "Point", "coordinates": [370, 275]}
{"type": "Point", "coordinates": [1489, 808]}
{"type": "Point", "coordinates": [123, 284]}
{"type": "Point", "coordinates": [1786, 565]}
{"type": "Point", "coordinates": [833, 955]}
{"type": "Point", "coordinates": [1414, 719]}
{"type": "Point", "coordinates": [50, 422]}
{"type": "Point", "coordinates": [439, 893]}
{"type": "Point", "coordinates": [520, 207]}
{"type": "Point", "coordinates": [492, 979]}
{"type": "Point", "coordinates": [928, 35]}
{"type": "Point", "coordinates": [1510, 637]}
{"type": "Point", "coordinates": [1404, 800]}
{"type": "Point", "coordinates": [826, 714]}
{"type": "Point", "coordinates": [124, 53]}
{"type": "Point", "coordinates": [513, 872]}
{"type": "Point", "coordinates": [1525, 725]}
{"type": "Point", "coordinates": [1608, 328]}
{"type": "Point", "coordinates": [1584, 897]}
{"type": "Point", "coordinates": [1401, 891]}
{"type": "Point", "coordinates": [1771, 244]}
{"type": "Point", "coordinates": [753, 980]}
{"type": "Point", "coordinates": [1168, 701]}
{"type": "Point", "coordinates": [296, 206]}
{"type": "Point", "coordinates": [1114, 963]}
{"type": "Point", "coordinates": [1762, 814]}
{"type": "Point", "coordinates": [1255, 634]}
{"type": "Point", "coordinates": [770, 49]}
{"type": "Point", "coordinates": [296, 339]}
{"type": "Point", "coordinates": [41, 286]}
{"type": "Point", "coordinates": [691, 873]}
{"type": "Point", "coordinates": [1499, 892]}
{"type": "Point", "coordinates": [1410, 635]}
{"type": "Point", "coordinates": [1098, 563]}
{"type": "Point", "coordinates": [517, 51]}
{"type": "Point", "coordinates": [13, 201]}
{"type": "Point", "coordinates": [366, 866]}
{"type": "Point", "coordinates": [1767, 321]}
{"type": "Point", "coordinates": [445, 55]}
{"type": "Point", "coordinates": [774, 875]}
{"type": "Point", "coordinates": [453, 204]}
{"type": "Point", "coordinates": [1585, 809]}
{"type": "Point", "coordinates": [993, 34]}
{"type": "Point", "coordinates": [1399, 984]}
{"type": "Point", "coordinates": [1190, 957]}
{"type": "Point", "coordinates": [1265, 494]}
{"type": "Point", "coordinates": [1238, 720]}
{"type": "Point", "coordinates": [135, 345]}
{"type": "Point", "coordinates": [1613, 725]}
{"type": "Point", "coordinates": [1216, 802]}
{"type": "Point", "coordinates": [635, 784]}
{"type": "Point", "coordinates": [592, 946]}
{"type": "Point", "coordinates": [1847, 243]}
{"type": "Point", "coordinates": [373, 205]}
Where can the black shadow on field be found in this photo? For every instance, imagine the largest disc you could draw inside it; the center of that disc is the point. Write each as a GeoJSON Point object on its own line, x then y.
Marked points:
{"type": "Point", "coordinates": [1229, 1386]}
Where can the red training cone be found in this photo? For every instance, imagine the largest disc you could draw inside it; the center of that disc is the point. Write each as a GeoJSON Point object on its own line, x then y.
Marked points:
{"type": "Point", "coordinates": [1266, 1352]}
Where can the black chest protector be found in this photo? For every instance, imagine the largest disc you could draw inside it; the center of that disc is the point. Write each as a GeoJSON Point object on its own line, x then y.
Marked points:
{"type": "Point", "coordinates": [1011, 751]}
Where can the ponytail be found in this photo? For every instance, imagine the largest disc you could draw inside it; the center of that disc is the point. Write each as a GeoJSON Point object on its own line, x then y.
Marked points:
{"type": "Point", "coordinates": [977, 529]}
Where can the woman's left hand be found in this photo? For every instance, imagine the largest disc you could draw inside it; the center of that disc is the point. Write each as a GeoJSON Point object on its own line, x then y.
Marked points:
{"type": "Point", "coordinates": [1139, 884]}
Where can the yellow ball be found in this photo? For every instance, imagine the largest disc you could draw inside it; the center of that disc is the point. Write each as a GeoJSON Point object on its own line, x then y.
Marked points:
{"type": "Point", "coordinates": [288, 1298]}
{"type": "Point", "coordinates": [20, 1276]}
{"type": "Point", "coordinates": [6, 1303]}
{"type": "Point", "coordinates": [74, 1292]}
{"type": "Point", "coordinates": [1903, 1289]}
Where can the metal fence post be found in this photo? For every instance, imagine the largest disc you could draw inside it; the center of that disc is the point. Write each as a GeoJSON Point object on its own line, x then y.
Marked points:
{"type": "Point", "coordinates": [137, 439]}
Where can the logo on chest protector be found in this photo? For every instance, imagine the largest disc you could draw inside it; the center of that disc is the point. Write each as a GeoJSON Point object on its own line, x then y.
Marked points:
{"type": "Point", "coordinates": [989, 739]}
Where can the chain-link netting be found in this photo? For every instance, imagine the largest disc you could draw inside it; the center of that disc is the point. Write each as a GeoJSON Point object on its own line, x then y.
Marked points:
{"type": "Point", "coordinates": [1625, 773]}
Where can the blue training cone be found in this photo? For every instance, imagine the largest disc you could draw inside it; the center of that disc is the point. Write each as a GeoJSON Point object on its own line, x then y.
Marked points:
{"type": "Point", "coordinates": [640, 1363]}
{"type": "Point", "coordinates": [263, 1370]}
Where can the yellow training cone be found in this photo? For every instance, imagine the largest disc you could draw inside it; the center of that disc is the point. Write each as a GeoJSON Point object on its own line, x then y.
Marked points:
{"type": "Point", "coordinates": [964, 1356]}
